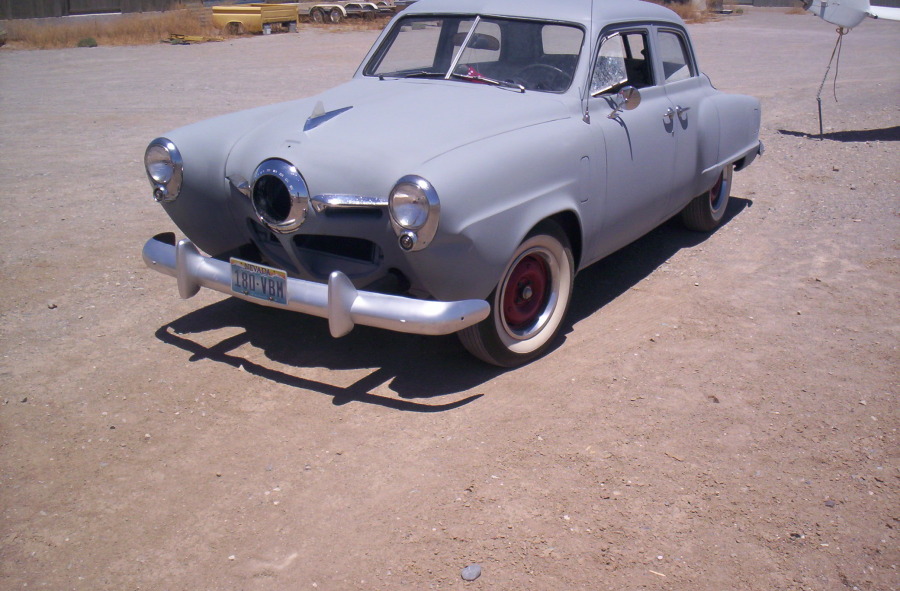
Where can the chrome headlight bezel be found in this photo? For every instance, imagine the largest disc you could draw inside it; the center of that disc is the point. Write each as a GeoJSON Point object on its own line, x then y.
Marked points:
{"type": "Point", "coordinates": [290, 210]}
{"type": "Point", "coordinates": [415, 212]}
{"type": "Point", "coordinates": [165, 169]}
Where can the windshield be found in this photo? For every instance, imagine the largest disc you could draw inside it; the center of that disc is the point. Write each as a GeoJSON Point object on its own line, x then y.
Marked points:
{"type": "Point", "coordinates": [516, 54]}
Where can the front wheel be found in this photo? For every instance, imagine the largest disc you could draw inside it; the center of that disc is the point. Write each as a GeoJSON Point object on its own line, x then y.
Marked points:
{"type": "Point", "coordinates": [335, 16]}
{"type": "Point", "coordinates": [529, 303]}
{"type": "Point", "coordinates": [705, 212]}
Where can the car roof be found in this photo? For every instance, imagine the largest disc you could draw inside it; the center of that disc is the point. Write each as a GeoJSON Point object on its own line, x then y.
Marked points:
{"type": "Point", "coordinates": [576, 11]}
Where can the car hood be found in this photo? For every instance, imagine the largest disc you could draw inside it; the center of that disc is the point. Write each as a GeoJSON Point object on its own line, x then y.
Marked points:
{"type": "Point", "coordinates": [362, 136]}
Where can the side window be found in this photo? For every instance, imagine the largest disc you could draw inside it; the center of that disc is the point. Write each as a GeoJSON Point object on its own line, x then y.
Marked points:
{"type": "Point", "coordinates": [623, 60]}
{"type": "Point", "coordinates": [637, 64]}
{"type": "Point", "coordinates": [675, 58]}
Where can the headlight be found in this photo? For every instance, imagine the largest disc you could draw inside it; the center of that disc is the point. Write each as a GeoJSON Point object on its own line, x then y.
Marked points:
{"type": "Point", "coordinates": [409, 206]}
{"type": "Point", "coordinates": [164, 169]}
{"type": "Point", "coordinates": [415, 211]}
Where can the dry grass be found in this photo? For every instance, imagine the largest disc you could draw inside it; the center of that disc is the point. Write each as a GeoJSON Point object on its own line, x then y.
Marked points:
{"type": "Point", "coordinates": [125, 29]}
{"type": "Point", "coordinates": [797, 8]}
{"type": "Point", "coordinates": [687, 11]}
{"type": "Point", "coordinates": [137, 29]}
{"type": "Point", "coordinates": [147, 28]}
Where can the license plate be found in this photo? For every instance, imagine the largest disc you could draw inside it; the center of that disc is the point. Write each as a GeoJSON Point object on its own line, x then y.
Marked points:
{"type": "Point", "coordinates": [258, 281]}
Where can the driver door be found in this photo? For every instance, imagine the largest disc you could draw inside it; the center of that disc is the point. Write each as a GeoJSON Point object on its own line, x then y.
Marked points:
{"type": "Point", "coordinates": [635, 149]}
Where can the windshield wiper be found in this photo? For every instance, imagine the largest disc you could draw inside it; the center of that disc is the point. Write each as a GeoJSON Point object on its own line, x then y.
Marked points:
{"type": "Point", "coordinates": [493, 82]}
{"type": "Point", "coordinates": [416, 74]}
{"type": "Point", "coordinates": [468, 77]}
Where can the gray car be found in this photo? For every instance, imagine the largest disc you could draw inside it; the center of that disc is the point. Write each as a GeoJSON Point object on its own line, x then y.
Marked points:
{"type": "Point", "coordinates": [484, 152]}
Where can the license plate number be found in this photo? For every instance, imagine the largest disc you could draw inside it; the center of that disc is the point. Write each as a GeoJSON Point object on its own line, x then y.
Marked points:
{"type": "Point", "coordinates": [258, 281]}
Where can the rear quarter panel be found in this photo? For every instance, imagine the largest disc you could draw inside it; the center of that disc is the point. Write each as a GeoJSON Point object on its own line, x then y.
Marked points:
{"type": "Point", "coordinates": [728, 128]}
{"type": "Point", "coordinates": [739, 122]}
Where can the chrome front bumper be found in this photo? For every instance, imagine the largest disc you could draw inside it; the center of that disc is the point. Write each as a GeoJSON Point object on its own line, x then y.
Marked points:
{"type": "Point", "coordinates": [338, 301]}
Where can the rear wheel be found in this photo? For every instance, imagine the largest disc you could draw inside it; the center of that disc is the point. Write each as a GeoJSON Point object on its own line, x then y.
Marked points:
{"type": "Point", "coordinates": [528, 304]}
{"type": "Point", "coordinates": [317, 15]}
{"type": "Point", "coordinates": [235, 28]}
{"type": "Point", "coordinates": [335, 16]}
{"type": "Point", "coordinates": [705, 212]}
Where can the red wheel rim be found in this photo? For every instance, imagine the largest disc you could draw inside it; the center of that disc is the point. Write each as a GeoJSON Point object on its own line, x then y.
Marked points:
{"type": "Point", "coordinates": [526, 292]}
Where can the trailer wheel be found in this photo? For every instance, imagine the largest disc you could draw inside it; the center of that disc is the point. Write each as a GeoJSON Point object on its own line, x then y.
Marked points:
{"type": "Point", "coordinates": [335, 16]}
{"type": "Point", "coordinates": [236, 28]}
{"type": "Point", "coordinates": [317, 15]}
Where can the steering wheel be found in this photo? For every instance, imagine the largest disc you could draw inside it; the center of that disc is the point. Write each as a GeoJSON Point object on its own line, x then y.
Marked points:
{"type": "Point", "coordinates": [540, 76]}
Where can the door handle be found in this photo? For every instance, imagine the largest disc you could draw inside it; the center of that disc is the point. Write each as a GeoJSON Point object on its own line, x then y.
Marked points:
{"type": "Point", "coordinates": [669, 115]}
{"type": "Point", "coordinates": [681, 110]}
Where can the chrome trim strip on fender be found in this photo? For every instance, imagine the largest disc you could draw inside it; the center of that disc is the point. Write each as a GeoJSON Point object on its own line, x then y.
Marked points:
{"type": "Point", "coordinates": [755, 150]}
{"type": "Point", "coordinates": [322, 202]}
{"type": "Point", "coordinates": [338, 300]}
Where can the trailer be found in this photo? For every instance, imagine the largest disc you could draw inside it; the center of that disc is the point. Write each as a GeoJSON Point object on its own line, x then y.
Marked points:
{"type": "Point", "coordinates": [335, 12]}
{"type": "Point", "coordinates": [254, 18]}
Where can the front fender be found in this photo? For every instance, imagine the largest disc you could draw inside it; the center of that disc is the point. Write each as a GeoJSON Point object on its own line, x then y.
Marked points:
{"type": "Point", "coordinates": [493, 192]}
{"type": "Point", "coordinates": [202, 210]}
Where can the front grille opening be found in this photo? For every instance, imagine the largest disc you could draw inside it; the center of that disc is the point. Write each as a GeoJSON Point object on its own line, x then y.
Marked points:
{"type": "Point", "coordinates": [270, 249]}
{"type": "Point", "coordinates": [245, 252]}
{"type": "Point", "coordinates": [394, 283]}
{"type": "Point", "coordinates": [340, 246]}
{"type": "Point", "coordinates": [374, 213]}
{"type": "Point", "coordinates": [262, 234]}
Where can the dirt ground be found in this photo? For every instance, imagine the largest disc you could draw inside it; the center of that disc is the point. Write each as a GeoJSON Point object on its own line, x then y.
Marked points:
{"type": "Point", "coordinates": [720, 415]}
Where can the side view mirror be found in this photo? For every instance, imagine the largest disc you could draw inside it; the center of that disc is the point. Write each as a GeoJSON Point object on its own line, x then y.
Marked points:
{"type": "Point", "coordinates": [627, 99]}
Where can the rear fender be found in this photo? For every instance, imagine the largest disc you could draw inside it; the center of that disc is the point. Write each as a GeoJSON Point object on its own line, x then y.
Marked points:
{"type": "Point", "coordinates": [739, 123]}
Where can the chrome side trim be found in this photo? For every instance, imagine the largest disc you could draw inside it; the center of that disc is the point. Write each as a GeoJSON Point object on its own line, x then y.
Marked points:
{"type": "Point", "coordinates": [338, 300]}
{"type": "Point", "coordinates": [321, 203]}
{"type": "Point", "coordinates": [749, 154]}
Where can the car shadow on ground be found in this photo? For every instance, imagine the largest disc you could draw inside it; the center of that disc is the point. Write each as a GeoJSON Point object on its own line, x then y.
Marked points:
{"type": "Point", "coordinates": [609, 278]}
{"type": "Point", "coordinates": [417, 368]}
{"type": "Point", "coordinates": [887, 134]}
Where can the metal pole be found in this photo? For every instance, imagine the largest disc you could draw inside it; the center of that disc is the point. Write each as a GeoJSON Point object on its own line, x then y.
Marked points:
{"type": "Point", "coordinates": [841, 32]}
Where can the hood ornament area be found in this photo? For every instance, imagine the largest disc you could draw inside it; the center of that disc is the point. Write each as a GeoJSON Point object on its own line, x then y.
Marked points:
{"type": "Point", "coordinates": [320, 116]}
